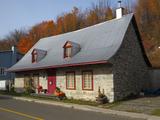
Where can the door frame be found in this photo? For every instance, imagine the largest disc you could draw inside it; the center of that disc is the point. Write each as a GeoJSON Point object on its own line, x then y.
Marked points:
{"type": "Point", "coordinates": [51, 73]}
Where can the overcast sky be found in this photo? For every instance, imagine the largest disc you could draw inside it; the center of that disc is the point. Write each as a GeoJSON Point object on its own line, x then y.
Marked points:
{"type": "Point", "coordinates": [17, 14]}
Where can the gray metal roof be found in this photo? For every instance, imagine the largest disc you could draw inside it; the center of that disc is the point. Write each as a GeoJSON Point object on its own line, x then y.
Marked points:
{"type": "Point", "coordinates": [98, 43]}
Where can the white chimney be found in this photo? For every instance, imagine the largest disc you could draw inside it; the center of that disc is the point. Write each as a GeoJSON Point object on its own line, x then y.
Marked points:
{"type": "Point", "coordinates": [119, 10]}
{"type": "Point", "coordinates": [13, 48]}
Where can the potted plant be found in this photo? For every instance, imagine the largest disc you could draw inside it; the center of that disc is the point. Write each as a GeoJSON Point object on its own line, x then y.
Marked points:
{"type": "Point", "coordinates": [102, 98]}
{"type": "Point", "coordinates": [61, 95]}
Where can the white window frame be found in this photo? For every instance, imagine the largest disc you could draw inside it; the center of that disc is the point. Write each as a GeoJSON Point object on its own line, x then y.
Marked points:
{"type": "Point", "coordinates": [87, 80]}
{"type": "Point", "coordinates": [70, 81]}
{"type": "Point", "coordinates": [68, 51]}
{"type": "Point", "coordinates": [3, 71]}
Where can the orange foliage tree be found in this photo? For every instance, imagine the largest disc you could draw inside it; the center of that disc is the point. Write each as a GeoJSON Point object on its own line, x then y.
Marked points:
{"type": "Point", "coordinates": [67, 22]}
{"type": "Point", "coordinates": [44, 29]}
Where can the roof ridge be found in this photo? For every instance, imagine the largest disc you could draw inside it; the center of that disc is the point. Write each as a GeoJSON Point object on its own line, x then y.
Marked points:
{"type": "Point", "coordinates": [101, 23]}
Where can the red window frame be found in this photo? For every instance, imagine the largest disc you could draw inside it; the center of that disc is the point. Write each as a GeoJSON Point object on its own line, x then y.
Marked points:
{"type": "Point", "coordinates": [91, 80]}
{"type": "Point", "coordinates": [74, 88]}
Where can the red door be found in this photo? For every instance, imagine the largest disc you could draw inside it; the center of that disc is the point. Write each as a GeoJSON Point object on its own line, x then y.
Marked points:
{"type": "Point", "coordinates": [51, 81]}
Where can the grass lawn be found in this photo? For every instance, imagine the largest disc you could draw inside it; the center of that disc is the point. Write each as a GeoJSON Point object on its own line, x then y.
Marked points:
{"type": "Point", "coordinates": [110, 105]}
{"type": "Point", "coordinates": [74, 101]}
{"type": "Point", "coordinates": [156, 112]}
{"type": "Point", "coordinates": [80, 102]}
{"type": "Point", "coordinates": [11, 93]}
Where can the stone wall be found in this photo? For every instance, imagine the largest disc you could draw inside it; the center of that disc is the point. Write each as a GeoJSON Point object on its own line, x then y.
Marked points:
{"type": "Point", "coordinates": [43, 80]}
{"type": "Point", "coordinates": [19, 80]}
{"type": "Point", "coordinates": [102, 77]}
{"type": "Point", "coordinates": [19, 83]}
{"type": "Point", "coordinates": [129, 67]}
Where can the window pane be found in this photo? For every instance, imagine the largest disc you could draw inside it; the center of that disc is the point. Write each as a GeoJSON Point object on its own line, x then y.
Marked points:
{"type": "Point", "coordinates": [70, 79]}
{"type": "Point", "coordinates": [68, 52]}
{"type": "Point", "coordinates": [35, 57]}
{"type": "Point", "coordinates": [3, 71]}
{"type": "Point", "coordinates": [26, 81]}
{"type": "Point", "coordinates": [87, 80]}
{"type": "Point", "coordinates": [35, 81]}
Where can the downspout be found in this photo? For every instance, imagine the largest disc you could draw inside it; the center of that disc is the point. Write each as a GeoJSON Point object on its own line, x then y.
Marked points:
{"type": "Point", "coordinates": [13, 61]}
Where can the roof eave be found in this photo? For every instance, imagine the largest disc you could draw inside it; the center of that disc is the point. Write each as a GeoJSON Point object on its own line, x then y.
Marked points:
{"type": "Point", "coordinates": [59, 66]}
{"type": "Point", "coordinates": [140, 41]}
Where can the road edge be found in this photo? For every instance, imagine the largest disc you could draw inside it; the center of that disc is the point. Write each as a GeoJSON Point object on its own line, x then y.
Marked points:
{"type": "Point", "coordinates": [88, 108]}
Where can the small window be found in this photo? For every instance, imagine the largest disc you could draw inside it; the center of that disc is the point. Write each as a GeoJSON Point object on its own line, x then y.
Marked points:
{"type": "Point", "coordinates": [87, 80]}
{"type": "Point", "coordinates": [27, 81]}
{"type": "Point", "coordinates": [67, 49]}
{"type": "Point", "coordinates": [70, 80]}
{"type": "Point", "coordinates": [34, 56]}
{"type": "Point", "coordinates": [68, 52]}
{"type": "Point", "coordinates": [3, 71]}
{"type": "Point", "coordinates": [35, 82]}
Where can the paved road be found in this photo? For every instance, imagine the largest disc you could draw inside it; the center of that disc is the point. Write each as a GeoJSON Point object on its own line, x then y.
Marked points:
{"type": "Point", "coordinates": [11, 109]}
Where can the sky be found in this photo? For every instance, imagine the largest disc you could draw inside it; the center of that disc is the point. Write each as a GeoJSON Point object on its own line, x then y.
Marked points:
{"type": "Point", "coordinates": [22, 14]}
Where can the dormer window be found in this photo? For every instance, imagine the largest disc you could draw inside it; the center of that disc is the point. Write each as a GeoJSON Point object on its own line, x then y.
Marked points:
{"type": "Point", "coordinates": [37, 55]}
{"type": "Point", "coordinates": [70, 49]}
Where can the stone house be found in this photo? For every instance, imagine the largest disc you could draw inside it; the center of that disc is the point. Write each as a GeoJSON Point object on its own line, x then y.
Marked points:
{"type": "Point", "coordinates": [108, 56]}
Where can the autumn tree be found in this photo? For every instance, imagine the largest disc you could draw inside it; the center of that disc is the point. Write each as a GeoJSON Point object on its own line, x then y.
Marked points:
{"type": "Point", "coordinates": [67, 22]}
{"type": "Point", "coordinates": [24, 44]}
{"type": "Point", "coordinates": [11, 39]}
{"type": "Point", "coordinates": [92, 18]}
{"type": "Point", "coordinates": [41, 30]}
{"type": "Point", "coordinates": [148, 19]}
{"type": "Point", "coordinates": [108, 14]}
{"type": "Point", "coordinates": [59, 25]}
{"type": "Point", "coordinates": [6, 44]}
{"type": "Point", "coordinates": [70, 20]}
